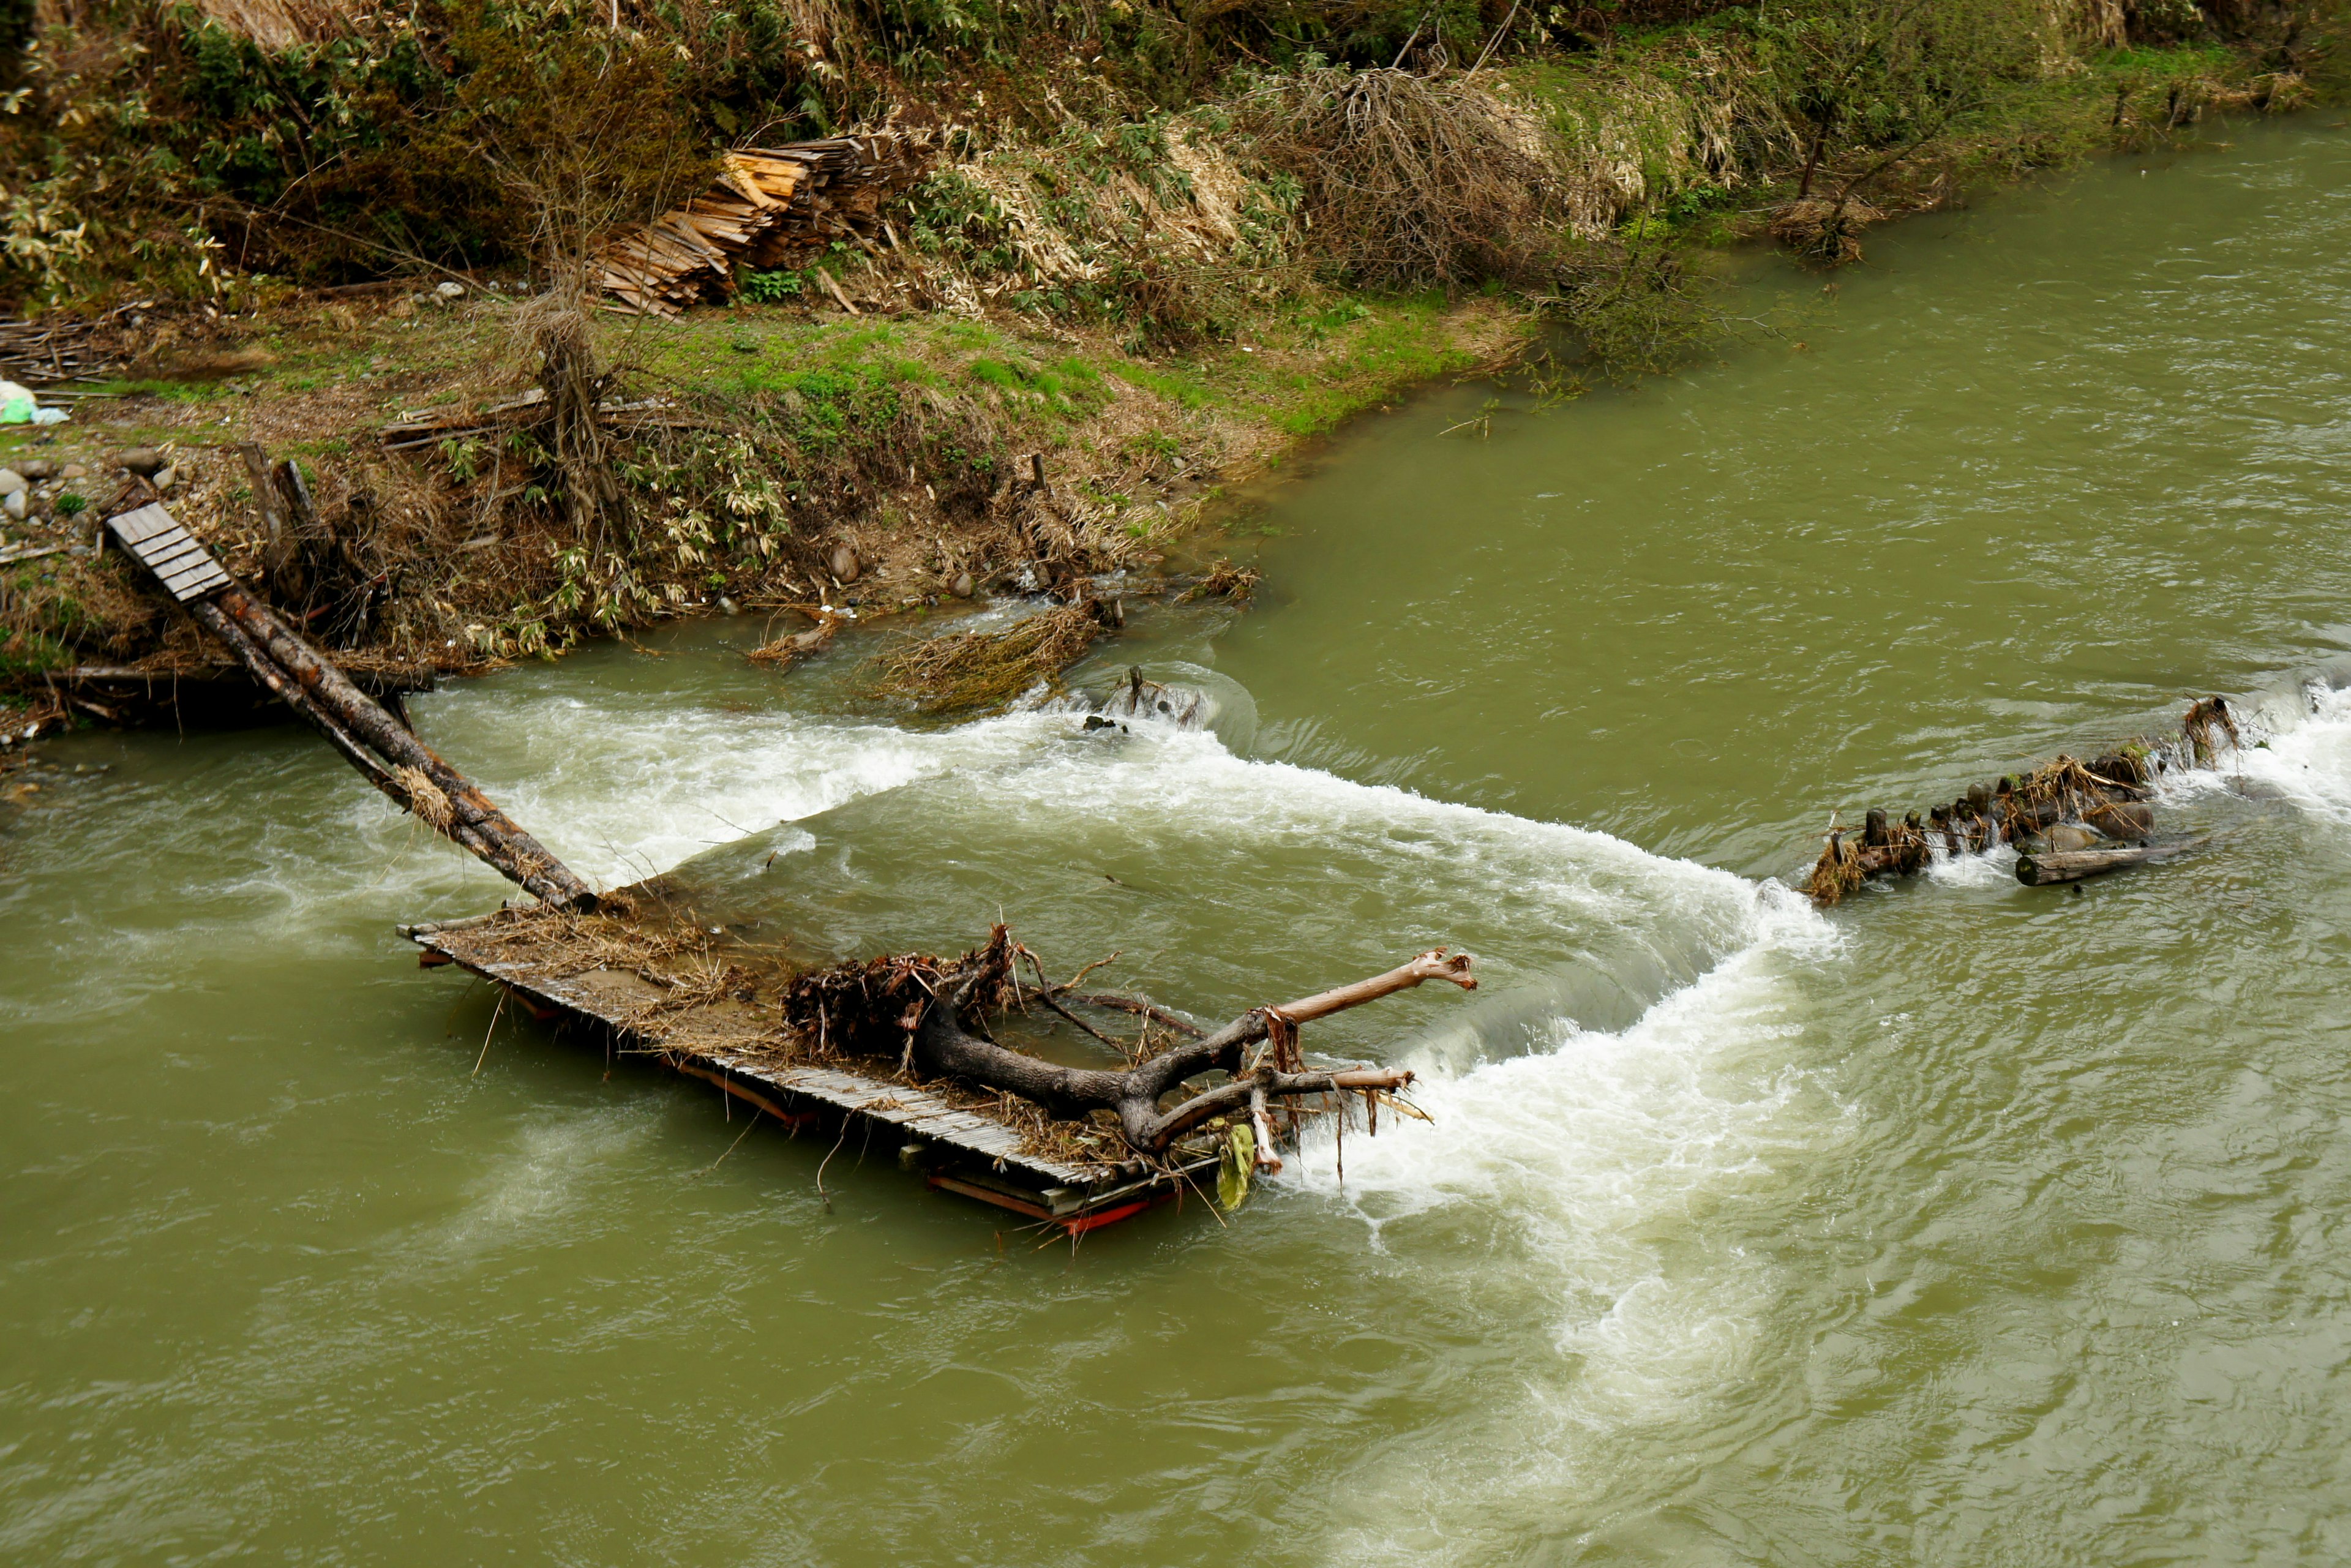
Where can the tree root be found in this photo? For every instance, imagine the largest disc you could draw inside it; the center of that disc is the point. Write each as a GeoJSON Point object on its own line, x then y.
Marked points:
{"type": "Point", "coordinates": [922, 1011]}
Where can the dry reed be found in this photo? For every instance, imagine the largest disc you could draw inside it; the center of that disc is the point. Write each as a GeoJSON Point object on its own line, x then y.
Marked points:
{"type": "Point", "coordinates": [966, 670]}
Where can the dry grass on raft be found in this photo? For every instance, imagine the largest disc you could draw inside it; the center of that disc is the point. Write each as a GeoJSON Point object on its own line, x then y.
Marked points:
{"type": "Point", "coordinates": [678, 958]}
{"type": "Point", "coordinates": [1836, 873]}
{"type": "Point", "coordinates": [979, 669]}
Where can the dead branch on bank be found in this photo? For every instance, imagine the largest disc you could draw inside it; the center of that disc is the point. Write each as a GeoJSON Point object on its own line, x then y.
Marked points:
{"type": "Point", "coordinates": [1411, 180]}
{"type": "Point", "coordinates": [2076, 819]}
{"type": "Point", "coordinates": [922, 1012]}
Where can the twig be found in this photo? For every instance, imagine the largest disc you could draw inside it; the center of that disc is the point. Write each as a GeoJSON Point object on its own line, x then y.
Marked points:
{"type": "Point", "coordinates": [733, 1146]}
{"type": "Point", "coordinates": [503, 994]}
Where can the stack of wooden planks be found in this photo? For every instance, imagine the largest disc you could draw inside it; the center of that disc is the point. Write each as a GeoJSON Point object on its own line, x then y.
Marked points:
{"type": "Point", "coordinates": [770, 208]}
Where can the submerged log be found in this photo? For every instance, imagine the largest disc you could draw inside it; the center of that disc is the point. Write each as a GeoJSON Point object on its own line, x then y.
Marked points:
{"type": "Point", "coordinates": [2072, 865]}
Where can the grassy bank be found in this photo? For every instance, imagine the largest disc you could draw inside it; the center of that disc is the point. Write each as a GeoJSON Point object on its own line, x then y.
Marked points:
{"type": "Point", "coordinates": [1145, 254]}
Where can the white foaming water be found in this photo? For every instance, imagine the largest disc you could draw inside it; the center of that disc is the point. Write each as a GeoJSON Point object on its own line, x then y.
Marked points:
{"type": "Point", "coordinates": [1583, 1148]}
{"type": "Point", "coordinates": [1586, 1174]}
{"type": "Point", "coordinates": [1995, 867]}
{"type": "Point", "coordinates": [2301, 748]}
{"type": "Point", "coordinates": [622, 796]}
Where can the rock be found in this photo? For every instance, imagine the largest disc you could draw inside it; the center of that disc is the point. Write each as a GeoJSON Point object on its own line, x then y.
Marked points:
{"type": "Point", "coordinates": [143, 461]}
{"type": "Point", "coordinates": [401, 310]}
{"type": "Point", "coordinates": [2066, 838]}
{"type": "Point", "coordinates": [165, 477]}
{"type": "Point", "coordinates": [36, 468]}
{"type": "Point", "coordinates": [14, 505]}
{"type": "Point", "coordinates": [450, 290]}
{"type": "Point", "coordinates": [963, 587]}
{"type": "Point", "coordinates": [74, 471]}
{"type": "Point", "coordinates": [844, 562]}
{"type": "Point", "coordinates": [11, 482]}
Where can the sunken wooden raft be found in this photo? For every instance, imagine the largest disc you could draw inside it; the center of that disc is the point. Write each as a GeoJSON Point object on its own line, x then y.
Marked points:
{"type": "Point", "coordinates": [386, 753]}
{"type": "Point", "coordinates": [2073, 819]}
{"type": "Point", "coordinates": [883, 1045]}
{"type": "Point", "coordinates": [957, 1149]}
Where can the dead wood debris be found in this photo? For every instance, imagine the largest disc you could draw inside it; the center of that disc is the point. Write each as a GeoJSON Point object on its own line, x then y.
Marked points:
{"type": "Point", "coordinates": [965, 670]}
{"type": "Point", "coordinates": [770, 208]}
{"type": "Point", "coordinates": [2060, 810]}
{"type": "Point", "coordinates": [1225, 580]}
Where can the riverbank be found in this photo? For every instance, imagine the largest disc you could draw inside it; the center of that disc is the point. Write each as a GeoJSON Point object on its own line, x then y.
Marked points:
{"type": "Point", "coordinates": [1138, 306]}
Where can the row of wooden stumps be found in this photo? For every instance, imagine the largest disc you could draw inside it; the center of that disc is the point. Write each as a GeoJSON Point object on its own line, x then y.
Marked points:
{"type": "Point", "coordinates": [2070, 820]}
{"type": "Point", "coordinates": [379, 745]}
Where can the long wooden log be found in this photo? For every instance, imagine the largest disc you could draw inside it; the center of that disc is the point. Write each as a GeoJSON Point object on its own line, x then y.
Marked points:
{"type": "Point", "coordinates": [385, 752]}
{"type": "Point", "coordinates": [2072, 865]}
{"type": "Point", "coordinates": [490, 832]}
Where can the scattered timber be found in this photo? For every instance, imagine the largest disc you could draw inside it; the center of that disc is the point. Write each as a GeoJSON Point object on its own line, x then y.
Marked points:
{"type": "Point", "coordinates": [48, 353]}
{"type": "Point", "coordinates": [2071, 820]}
{"type": "Point", "coordinates": [383, 750]}
{"type": "Point", "coordinates": [770, 208]}
{"type": "Point", "coordinates": [901, 1046]}
{"type": "Point", "coordinates": [429, 427]}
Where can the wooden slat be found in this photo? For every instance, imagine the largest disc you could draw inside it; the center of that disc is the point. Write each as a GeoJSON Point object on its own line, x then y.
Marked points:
{"type": "Point", "coordinates": [145, 523]}
{"type": "Point", "coordinates": [179, 561]}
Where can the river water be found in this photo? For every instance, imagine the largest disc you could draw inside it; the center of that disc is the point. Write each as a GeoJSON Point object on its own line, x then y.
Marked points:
{"type": "Point", "coordinates": [1968, 1224]}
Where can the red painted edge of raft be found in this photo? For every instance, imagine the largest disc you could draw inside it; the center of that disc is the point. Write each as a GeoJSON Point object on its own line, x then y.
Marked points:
{"type": "Point", "coordinates": [1078, 1225]}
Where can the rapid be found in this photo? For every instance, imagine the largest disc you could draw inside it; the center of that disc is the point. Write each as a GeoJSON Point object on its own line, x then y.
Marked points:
{"type": "Point", "coordinates": [1968, 1223]}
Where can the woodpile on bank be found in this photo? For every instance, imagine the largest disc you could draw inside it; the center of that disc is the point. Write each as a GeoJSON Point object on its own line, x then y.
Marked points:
{"type": "Point", "coordinates": [770, 209]}
{"type": "Point", "coordinates": [2071, 820]}
{"type": "Point", "coordinates": [47, 354]}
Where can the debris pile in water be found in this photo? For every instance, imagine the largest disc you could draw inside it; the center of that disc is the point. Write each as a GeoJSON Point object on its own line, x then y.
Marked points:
{"type": "Point", "coordinates": [966, 670]}
{"type": "Point", "coordinates": [2075, 819]}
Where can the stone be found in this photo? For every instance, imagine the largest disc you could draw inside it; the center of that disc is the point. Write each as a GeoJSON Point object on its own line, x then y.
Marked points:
{"type": "Point", "coordinates": [844, 562]}
{"type": "Point", "coordinates": [450, 290]}
{"type": "Point", "coordinates": [963, 587]}
{"type": "Point", "coordinates": [143, 461]}
{"type": "Point", "coordinates": [11, 482]}
{"type": "Point", "coordinates": [74, 471]}
{"type": "Point", "coordinates": [35, 467]}
{"type": "Point", "coordinates": [2066, 838]}
{"type": "Point", "coordinates": [165, 477]}
{"type": "Point", "coordinates": [14, 505]}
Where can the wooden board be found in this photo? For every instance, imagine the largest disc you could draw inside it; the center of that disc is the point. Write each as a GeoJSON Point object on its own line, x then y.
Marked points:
{"type": "Point", "coordinates": [184, 566]}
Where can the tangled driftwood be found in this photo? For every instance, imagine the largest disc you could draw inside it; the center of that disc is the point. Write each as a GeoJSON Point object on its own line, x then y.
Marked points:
{"type": "Point", "coordinates": [2077, 819]}
{"type": "Point", "coordinates": [929, 1015]}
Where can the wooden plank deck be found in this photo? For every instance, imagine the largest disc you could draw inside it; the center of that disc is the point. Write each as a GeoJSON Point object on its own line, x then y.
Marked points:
{"type": "Point", "coordinates": [958, 1150]}
{"type": "Point", "coordinates": [185, 568]}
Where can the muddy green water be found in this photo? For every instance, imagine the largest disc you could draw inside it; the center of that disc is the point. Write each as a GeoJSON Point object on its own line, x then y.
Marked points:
{"type": "Point", "coordinates": [1973, 1224]}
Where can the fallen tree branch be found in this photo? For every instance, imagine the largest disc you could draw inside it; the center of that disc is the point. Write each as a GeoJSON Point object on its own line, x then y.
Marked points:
{"type": "Point", "coordinates": [941, 1045]}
